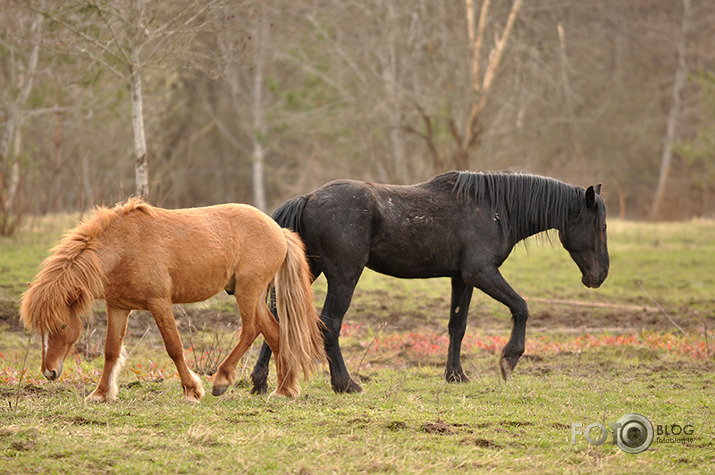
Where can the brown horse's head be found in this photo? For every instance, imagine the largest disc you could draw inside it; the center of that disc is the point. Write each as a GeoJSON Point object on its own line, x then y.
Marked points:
{"type": "Point", "coordinates": [585, 237]}
{"type": "Point", "coordinates": [56, 317]}
{"type": "Point", "coordinates": [57, 344]}
{"type": "Point", "coordinates": [68, 282]}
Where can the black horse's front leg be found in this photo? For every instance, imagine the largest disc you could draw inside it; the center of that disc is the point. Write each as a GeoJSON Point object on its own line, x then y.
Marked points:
{"type": "Point", "coordinates": [461, 297]}
{"type": "Point", "coordinates": [340, 379]}
{"type": "Point", "coordinates": [493, 284]}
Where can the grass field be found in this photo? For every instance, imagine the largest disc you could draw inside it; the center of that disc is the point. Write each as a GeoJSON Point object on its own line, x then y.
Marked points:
{"type": "Point", "coordinates": [592, 356]}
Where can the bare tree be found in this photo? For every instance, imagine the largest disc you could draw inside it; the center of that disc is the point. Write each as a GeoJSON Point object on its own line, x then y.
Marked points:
{"type": "Point", "coordinates": [481, 83]}
{"type": "Point", "coordinates": [484, 61]}
{"type": "Point", "coordinates": [23, 77]}
{"type": "Point", "coordinates": [681, 75]}
{"type": "Point", "coordinates": [126, 38]}
{"type": "Point", "coordinates": [300, 93]}
{"type": "Point", "coordinates": [243, 72]}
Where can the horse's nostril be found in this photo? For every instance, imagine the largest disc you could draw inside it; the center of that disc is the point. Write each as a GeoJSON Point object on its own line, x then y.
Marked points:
{"type": "Point", "coordinates": [50, 374]}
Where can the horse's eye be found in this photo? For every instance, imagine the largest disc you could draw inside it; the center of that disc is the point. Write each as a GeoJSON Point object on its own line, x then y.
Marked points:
{"type": "Point", "coordinates": [63, 327]}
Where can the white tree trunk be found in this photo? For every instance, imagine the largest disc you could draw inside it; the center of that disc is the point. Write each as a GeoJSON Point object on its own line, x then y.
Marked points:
{"type": "Point", "coordinates": [258, 175]}
{"type": "Point", "coordinates": [258, 133]}
{"type": "Point", "coordinates": [9, 185]}
{"type": "Point", "coordinates": [141, 167]}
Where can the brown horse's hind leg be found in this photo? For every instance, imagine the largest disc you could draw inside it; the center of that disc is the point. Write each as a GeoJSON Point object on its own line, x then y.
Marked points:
{"type": "Point", "coordinates": [190, 382]}
{"type": "Point", "coordinates": [107, 388]}
{"type": "Point", "coordinates": [247, 299]}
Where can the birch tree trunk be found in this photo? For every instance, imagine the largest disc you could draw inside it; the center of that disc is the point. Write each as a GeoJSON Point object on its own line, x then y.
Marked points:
{"type": "Point", "coordinates": [141, 167]}
{"type": "Point", "coordinates": [136, 32]}
{"type": "Point", "coordinates": [681, 75]}
{"type": "Point", "coordinates": [258, 132]}
{"type": "Point", "coordinates": [10, 174]}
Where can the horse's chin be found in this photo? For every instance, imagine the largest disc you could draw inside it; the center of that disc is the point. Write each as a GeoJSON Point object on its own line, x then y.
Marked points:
{"type": "Point", "coordinates": [591, 281]}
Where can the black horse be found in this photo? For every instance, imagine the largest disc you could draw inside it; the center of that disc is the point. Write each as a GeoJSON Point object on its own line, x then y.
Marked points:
{"type": "Point", "coordinates": [460, 225]}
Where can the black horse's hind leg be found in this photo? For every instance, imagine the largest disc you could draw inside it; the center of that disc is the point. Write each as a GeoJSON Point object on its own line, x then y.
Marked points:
{"type": "Point", "coordinates": [334, 309]}
{"type": "Point", "coordinates": [461, 297]}
{"type": "Point", "coordinates": [259, 375]}
{"type": "Point", "coordinates": [336, 305]}
{"type": "Point", "coordinates": [493, 284]}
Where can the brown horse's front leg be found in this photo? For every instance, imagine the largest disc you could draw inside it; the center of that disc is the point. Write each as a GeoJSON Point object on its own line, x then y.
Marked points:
{"type": "Point", "coordinates": [190, 382]}
{"type": "Point", "coordinates": [226, 373]}
{"type": "Point", "coordinates": [107, 387]}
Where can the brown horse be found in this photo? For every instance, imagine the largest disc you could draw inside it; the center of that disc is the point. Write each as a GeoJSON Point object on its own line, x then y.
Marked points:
{"type": "Point", "coordinates": [138, 257]}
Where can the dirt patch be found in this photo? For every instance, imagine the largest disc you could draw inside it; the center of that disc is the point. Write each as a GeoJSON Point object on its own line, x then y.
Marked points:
{"type": "Point", "coordinates": [397, 425]}
{"type": "Point", "coordinates": [480, 442]}
{"type": "Point", "coordinates": [391, 311]}
{"type": "Point", "coordinates": [580, 318]}
{"type": "Point", "coordinates": [10, 314]}
{"type": "Point", "coordinates": [438, 427]}
{"type": "Point", "coordinates": [29, 390]}
{"type": "Point", "coordinates": [376, 308]}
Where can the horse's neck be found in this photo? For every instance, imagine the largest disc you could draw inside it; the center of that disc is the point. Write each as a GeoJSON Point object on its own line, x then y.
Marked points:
{"type": "Point", "coordinates": [536, 228]}
{"type": "Point", "coordinates": [538, 221]}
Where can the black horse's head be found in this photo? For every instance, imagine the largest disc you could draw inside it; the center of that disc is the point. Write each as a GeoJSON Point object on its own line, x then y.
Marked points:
{"type": "Point", "coordinates": [584, 237]}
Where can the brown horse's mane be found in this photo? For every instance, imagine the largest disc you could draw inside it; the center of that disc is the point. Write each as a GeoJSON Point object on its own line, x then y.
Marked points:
{"type": "Point", "coordinates": [72, 277]}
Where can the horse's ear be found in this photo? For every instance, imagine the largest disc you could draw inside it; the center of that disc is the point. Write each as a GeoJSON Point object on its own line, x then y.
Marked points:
{"type": "Point", "coordinates": [591, 193]}
{"type": "Point", "coordinates": [75, 296]}
{"type": "Point", "coordinates": [597, 188]}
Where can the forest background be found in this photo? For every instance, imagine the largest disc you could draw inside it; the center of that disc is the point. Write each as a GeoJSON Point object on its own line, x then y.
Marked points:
{"type": "Point", "coordinates": [192, 103]}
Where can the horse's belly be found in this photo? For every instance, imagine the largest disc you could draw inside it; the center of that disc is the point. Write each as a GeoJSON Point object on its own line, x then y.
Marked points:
{"type": "Point", "coordinates": [411, 265]}
{"type": "Point", "coordinates": [196, 288]}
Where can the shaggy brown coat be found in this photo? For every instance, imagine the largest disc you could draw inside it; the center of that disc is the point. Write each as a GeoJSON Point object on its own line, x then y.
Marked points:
{"type": "Point", "coordinates": [139, 257]}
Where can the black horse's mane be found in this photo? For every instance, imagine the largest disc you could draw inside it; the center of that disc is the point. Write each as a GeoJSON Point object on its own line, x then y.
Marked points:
{"type": "Point", "coordinates": [523, 204]}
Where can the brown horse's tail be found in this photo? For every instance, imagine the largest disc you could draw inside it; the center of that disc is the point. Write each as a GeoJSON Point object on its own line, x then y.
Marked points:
{"type": "Point", "coordinates": [301, 340]}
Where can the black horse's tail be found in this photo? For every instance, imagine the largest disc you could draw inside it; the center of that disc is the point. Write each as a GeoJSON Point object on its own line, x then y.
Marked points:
{"type": "Point", "coordinates": [289, 213]}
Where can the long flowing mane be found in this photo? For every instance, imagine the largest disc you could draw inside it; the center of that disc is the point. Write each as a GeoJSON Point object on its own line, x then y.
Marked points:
{"type": "Point", "coordinates": [523, 204]}
{"type": "Point", "coordinates": [71, 277]}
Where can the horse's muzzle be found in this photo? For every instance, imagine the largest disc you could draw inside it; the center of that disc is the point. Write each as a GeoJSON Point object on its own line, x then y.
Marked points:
{"type": "Point", "coordinates": [52, 374]}
{"type": "Point", "coordinates": [594, 281]}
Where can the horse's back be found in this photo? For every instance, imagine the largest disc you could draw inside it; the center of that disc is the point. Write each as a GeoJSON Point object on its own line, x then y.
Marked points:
{"type": "Point", "coordinates": [190, 254]}
{"type": "Point", "coordinates": [400, 230]}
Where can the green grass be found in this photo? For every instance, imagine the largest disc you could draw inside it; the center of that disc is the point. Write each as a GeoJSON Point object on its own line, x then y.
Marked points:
{"type": "Point", "coordinates": [408, 420]}
{"type": "Point", "coordinates": [673, 261]}
{"type": "Point", "coordinates": [583, 364]}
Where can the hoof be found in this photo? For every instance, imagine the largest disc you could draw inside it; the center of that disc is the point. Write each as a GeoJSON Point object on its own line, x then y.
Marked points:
{"type": "Point", "coordinates": [259, 389]}
{"type": "Point", "coordinates": [195, 393]}
{"type": "Point", "coordinates": [287, 393]}
{"type": "Point", "coordinates": [350, 387]}
{"type": "Point", "coordinates": [218, 390]}
{"type": "Point", "coordinates": [96, 398]}
{"type": "Point", "coordinates": [456, 377]}
{"type": "Point", "coordinates": [506, 369]}
{"type": "Point", "coordinates": [192, 395]}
